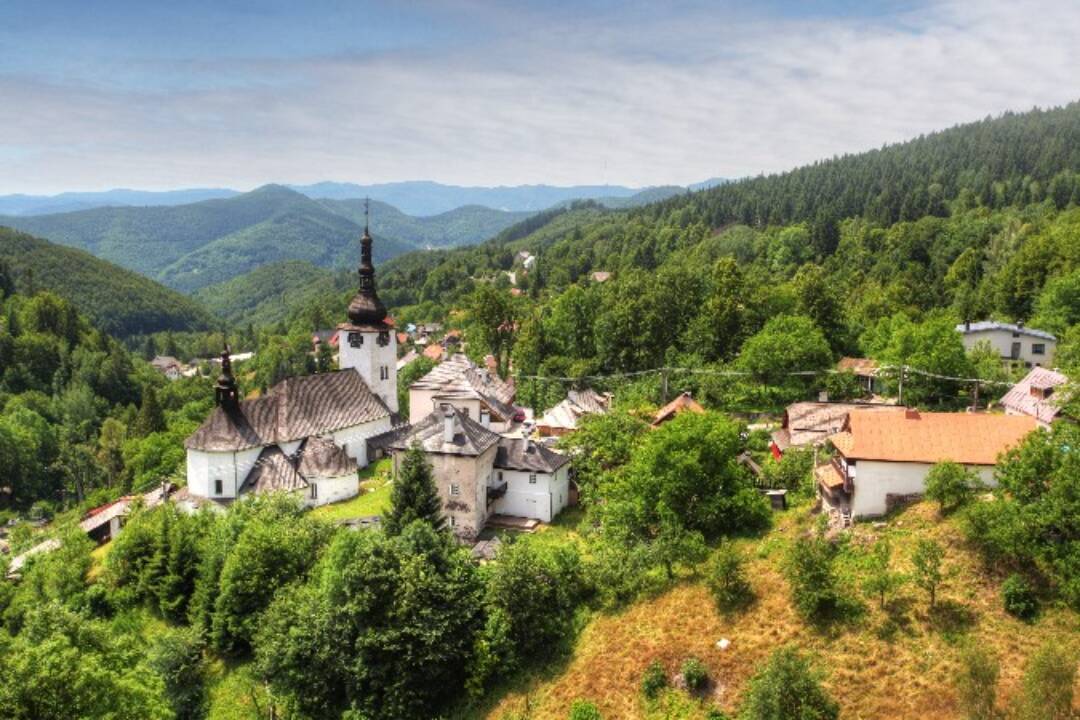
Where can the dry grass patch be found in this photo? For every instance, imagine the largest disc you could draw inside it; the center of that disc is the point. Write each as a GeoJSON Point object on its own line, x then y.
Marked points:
{"type": "Point", "coordinates": [899, 663]}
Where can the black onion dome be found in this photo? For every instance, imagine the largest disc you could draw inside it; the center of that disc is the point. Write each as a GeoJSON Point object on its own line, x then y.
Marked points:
{"type": "Point", "coordinates": [366, 308]}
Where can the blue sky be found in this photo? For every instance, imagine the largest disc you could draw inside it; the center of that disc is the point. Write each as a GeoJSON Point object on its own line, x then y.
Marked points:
{"type": "Point", "coordinates": [161, 95]}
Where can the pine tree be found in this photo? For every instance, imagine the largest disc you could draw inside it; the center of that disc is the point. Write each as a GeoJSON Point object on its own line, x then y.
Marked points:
{"type": "Point", "coordinates": [414, 496]}
{"type": "Point", "coordinates": [151, 417]}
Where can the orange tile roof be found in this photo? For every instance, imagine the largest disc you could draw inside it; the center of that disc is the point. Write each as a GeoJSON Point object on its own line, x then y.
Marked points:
{"type": "Point", "coordinates": [910, 436]}
{"type": "Point", "coordinates": [434, 351]}
{"type": "Point", "coordinates": [680, 404]}
{"type": "Point", "coordinates": [859, 366]}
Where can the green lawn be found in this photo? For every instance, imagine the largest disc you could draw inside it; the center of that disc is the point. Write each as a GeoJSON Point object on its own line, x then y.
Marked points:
{"type": "Point", "coordinates": [374, 497]}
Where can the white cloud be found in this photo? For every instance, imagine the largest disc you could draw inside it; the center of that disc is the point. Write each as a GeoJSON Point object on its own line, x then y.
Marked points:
{"type": "Point", "coordinates": [625, 98]}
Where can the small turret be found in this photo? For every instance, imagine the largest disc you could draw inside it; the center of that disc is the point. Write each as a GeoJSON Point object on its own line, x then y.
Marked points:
{"type": "Point", "coordinates": [226, 395]}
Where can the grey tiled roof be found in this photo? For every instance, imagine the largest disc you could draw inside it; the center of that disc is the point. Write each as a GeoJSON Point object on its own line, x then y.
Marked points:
{"type": "Point", "coordinates": [986, 325]}
{"type": "Point", "coordinates": [470, 437]}
{"type": "Point", "coordinates": [294, 409]}
{"type": "Point", "coordinates": [322, 457]}
{"type": "Point", "coordinates": [273, 471]}
{"type": "Point", "coordinates": [518, 454]}
{"type": "Point", "coordinates": [459, 379]}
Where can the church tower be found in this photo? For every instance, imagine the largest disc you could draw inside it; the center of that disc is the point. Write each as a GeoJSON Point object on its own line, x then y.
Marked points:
{"type": "Point", "coordinates": [367, 343]}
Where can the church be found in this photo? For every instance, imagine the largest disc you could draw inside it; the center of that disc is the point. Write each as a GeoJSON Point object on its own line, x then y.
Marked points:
{"type": "Point", "coordinates": [309, 435]}
{"type": "Point", "coordinates": [306, 435]}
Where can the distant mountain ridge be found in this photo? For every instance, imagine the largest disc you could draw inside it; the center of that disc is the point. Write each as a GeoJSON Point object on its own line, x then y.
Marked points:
{"type": "Point", "coordinates": [415, 198]}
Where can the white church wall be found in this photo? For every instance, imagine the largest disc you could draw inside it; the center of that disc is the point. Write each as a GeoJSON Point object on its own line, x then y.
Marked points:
{"type": "Point", "coordinates": [331, 490]}
{"type": "Point", "coordinates": [231, 468]}
{"type": "Point", "coordinates": [354, 439]}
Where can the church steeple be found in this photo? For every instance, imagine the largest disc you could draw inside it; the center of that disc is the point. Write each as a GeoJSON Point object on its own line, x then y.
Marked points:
{"type": "Point", "coordinates": [226, 394]}
{"type": "Point", "coordinates": [366, 308]}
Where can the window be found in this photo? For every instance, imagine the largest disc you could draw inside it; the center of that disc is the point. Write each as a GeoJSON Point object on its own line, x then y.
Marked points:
{"type": "Point", "coordinates": [355, 339]}
{"type": "Point", "coordinates": [500, 476]}
{"type": "Point", "coordinates": [384, 372]}
{"type": "Point", "coordinates": [455, 489]}
{"type": "Point", "coordinates": [1038, 348]}
{"type": "Point", "coordinates": [218, 489]}
{"type": "Point", "coordinates": [314, 491]}
{"type": "Point", "coordinates": [532, 479]}
{"type": "Point", "coordinates": [452, 523]}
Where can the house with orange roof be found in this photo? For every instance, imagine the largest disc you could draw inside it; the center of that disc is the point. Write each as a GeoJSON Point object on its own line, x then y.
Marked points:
{"type": "Point", "coordinates": [883, 457]}
{"type": "Point", "coordinates": [681, 404]}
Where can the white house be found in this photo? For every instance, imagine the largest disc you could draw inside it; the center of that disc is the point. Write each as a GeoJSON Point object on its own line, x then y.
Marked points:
{"type": "Point", "coordinates": [883, 457]}
{"type": "Point", "coordinates": [537, 480]}
{"type": "Point", "coordinates": [1016, 343]}
{"type": "Point", "coordinates": [479, 473]}
{"type": "Point", "coordinates": [477, 392]}
{"type": "Point", "coordinates": [306, 435]}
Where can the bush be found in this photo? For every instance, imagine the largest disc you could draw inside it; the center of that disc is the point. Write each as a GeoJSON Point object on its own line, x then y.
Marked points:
{"type": "Point", "coordinates": [584, 710]}
{"type": "Point", "coordinates": [654, 680]}
{"type": "Point", "coordinates": [809, 570]}
{"type": "Point", "coordinates": [1019, 597]}
{"type": "Point", "coordinates": [1048, 684]}
{"type": "Point", "coordinates": [951, 485]}
{"type": "Point", "coordinates": [727, 578]}
{"type": "Point", "coordinates": [977, 683]}
{"type": "Point", "coordinates": [787, 687]}
{"type": "Point", "coordinates": [694, 674]}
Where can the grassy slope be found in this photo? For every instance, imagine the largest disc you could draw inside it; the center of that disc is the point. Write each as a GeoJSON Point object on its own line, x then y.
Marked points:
{"type": "Point", "coordinates": [375, 484]}
{"type": "Point", "coordinates": [118, 301]}
{"type": "Point", "coordinates": [878, 665]}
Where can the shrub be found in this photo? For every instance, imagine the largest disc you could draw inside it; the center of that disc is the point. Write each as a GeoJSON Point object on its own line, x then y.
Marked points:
{"type": "Point", "coordinates": [1048, 684]}
{"type": "Point", "coordinates": [584, 710]}
{"type": "Point", "coordinates": [1019, 597]}
{"type": "Point", "coordinates": [694, 674]}
{"type": "Point", "coordinates": [727, 578]}
{"type": "Point", "coordinates": [951, 485]}
{"type": "Point", "coordinates": [716, 714]}
{"type": "Point", "coordinates": [787, 687]}
{"type": "Point", "coordinates": [976, 683]}
{"type": "Point", "coordinates": [809, 570]}
{"type": "Point", "coordinates": [654, 680]}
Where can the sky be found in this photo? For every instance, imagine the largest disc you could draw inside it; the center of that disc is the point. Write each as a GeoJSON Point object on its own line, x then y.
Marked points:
{"type": "Point", "coordinates": [162, 95]}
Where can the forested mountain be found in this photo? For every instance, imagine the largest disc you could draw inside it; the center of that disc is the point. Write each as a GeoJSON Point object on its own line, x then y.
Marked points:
{"type": "Point", "coordinates": [465, 225]}
{"type": "Point", "coordinates": [272, 292]}
{"type": "Point", "coordinates": [191, 246]}
{"type": "Point", "coordinates": [116, 300]}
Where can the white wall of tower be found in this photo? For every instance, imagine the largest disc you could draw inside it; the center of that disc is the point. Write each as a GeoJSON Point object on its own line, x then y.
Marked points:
{"type": "Point", "coordinates": [377, 364]}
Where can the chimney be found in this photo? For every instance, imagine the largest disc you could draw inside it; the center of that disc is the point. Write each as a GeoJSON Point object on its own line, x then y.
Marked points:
{"type": "Point", "coordinates": [1020, 324]}
{"type": "Point", "coordinates": [448, 424]}
{"type": "Point", "coordinates": [911, 414]}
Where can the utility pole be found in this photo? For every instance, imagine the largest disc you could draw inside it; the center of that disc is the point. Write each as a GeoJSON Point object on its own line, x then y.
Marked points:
{"type": "Point", "coordinates": [975, 398]}
{"type": "Point", "coordinates": [900, 392]}
{"type": "Point", "coordinates": [664, 392]}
